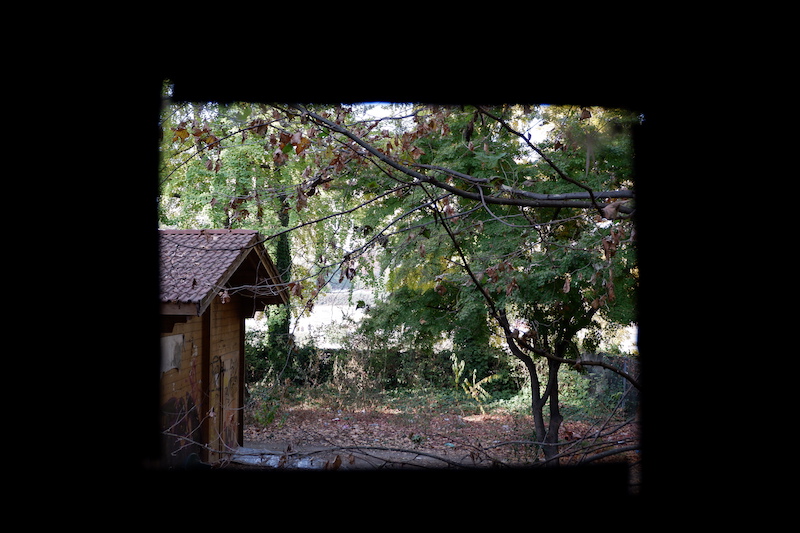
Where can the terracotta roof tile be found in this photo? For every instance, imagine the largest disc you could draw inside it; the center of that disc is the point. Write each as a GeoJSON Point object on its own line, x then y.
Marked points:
{"type": "Point", "coordinates": [196, 263]}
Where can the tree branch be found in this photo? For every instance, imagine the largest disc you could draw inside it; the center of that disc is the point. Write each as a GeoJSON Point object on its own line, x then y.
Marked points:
{"type": "Point", "coordinates": [217, 142]}
{"type": "Point", "coordinates": [578, 363]}
{"type": "Point", "coordinates": [497, 315]}
{"type": "Point", "coordinates": [565, 203]}
{"type": "Point", "coordinates": [622, 193]}
{"type": "Point", "coordinates": [520, 202]}
{"type": "Point", "coordinates": [536, 149]}
{"type": "Point", "coordinates": [610, 452]}
{"type": "Point", "coordinates": [358, 448]}
{"type": "Point", "coordinates": [338, 213]}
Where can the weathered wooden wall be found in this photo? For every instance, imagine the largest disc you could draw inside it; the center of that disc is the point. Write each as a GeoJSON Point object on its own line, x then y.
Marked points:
{"type": "Point", "coordinates": [201, 400]}
{"type": "Point", "coordinates": [182, 393]}
{"type": "Point", "coordinates": [227, 334]}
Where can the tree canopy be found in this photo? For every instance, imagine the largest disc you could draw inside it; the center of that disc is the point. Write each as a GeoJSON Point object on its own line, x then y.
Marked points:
{"type": "Point", "coordinates": [468, 223]}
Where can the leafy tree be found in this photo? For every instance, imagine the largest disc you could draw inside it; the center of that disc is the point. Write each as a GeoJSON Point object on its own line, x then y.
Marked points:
{"type": "Point", "coordinates": [480, 230]}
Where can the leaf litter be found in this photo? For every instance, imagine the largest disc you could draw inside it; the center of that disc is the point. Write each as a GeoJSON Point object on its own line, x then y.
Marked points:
{"type": "Point", "coordinates": [392, 438]}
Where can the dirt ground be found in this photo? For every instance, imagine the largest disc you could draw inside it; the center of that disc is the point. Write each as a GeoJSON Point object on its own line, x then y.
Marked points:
{"type": "Point", "coordinates": [326, 438]}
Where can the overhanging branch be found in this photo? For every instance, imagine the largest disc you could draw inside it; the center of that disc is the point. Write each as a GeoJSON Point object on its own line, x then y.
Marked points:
{"type": "Point", "coordinates": [536, 149]}
{"type": "Point", "coordinates": [520, 202]}
{"type": "Point", "coordinates": [622, 193]}
{"type": "Point", "coordinates": [528, 199]}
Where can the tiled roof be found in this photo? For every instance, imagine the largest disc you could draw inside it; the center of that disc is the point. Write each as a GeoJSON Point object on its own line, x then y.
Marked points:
{"type": "Point", "coordinates": [196, 264]}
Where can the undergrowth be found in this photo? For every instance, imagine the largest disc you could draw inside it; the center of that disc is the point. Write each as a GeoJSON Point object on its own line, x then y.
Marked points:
{"type": "Point", "coordinates": [269, 403]}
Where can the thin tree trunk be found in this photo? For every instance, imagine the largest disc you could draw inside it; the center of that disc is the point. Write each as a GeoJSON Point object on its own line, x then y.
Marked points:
{"type": "Point", "coordinates": [537, 402]}
{"type": "Point", "coordinates": [551, 438]}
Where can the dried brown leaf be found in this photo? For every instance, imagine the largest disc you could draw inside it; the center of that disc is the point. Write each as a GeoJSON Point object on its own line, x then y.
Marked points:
{"type": "Point", "coordinates": [180, 135]}
{"type": "Point", "coordinates": [302, 199]}
{"type": "Point", "coordinates": [301, 145]}
{"type": "Point", "coordinates": [295, 289]}
{"type": "Point", "coordinates": [512, 285]}
{"type": "Point", "coordinates": [611, 211]}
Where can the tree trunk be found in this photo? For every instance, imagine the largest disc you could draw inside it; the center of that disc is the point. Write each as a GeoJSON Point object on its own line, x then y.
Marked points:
{"type": "Point", "coordinates": [536, 402]}
{"type": "Point", "coordinates": [537, 399]}
{"type": "Point", "coordinates": [551, 438]}
{"type": "Point", "coordinates": [280, 322]}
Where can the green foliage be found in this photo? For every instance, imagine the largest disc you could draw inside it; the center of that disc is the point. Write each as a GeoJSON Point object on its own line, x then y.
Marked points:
{"type": "Point", "coordinates": [356, 220]}
{"type": "Point", "coordinates": [266, 402]}
{"type": "Point", "coordinates": [267, 411]}
{"type": "Point", "coordinates": [458, 369]}
{"type": "Point", "coordinates": [474, 389]}
{"type": "Point", "coordinates": [267, 359]}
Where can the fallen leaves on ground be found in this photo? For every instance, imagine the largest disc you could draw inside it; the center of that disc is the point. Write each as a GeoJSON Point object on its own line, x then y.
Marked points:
{"type": "Point", "coordinates": [472, 439]}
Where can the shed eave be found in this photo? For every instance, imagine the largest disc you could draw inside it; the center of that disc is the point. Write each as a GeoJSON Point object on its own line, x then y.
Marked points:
{"type": "Point", "coordinates": [251, 255]}
{"type": "Point", "coordinates": [282, 297]}
{"type": "Point", "coordinates": [181, 308]}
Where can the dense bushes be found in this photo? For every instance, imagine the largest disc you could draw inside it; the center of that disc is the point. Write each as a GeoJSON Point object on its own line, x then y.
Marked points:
{"type": "Point", "coordinates": [366, 365]}
{"type": "Point", "coordinates": [265, 360]}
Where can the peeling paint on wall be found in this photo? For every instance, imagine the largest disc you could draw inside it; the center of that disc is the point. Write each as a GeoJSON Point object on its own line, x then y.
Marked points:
{"type": "Point", "coordinates": [171, 351]}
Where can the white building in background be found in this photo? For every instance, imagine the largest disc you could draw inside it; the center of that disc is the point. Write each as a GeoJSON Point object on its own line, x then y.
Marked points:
{"type": "Point", "coordinates": [335, 315]}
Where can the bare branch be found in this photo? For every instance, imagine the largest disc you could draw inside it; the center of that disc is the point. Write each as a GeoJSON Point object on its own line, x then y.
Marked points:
{"type": "Point", "coordinates": [623, 193]}
{"type": "Point", "coordinates": [217, 142]}
{"type": "Point", "coordinates": [332, 215]}
{"type": "Point", "coordinates": [402, 450]}
{"type": "Point", "coordinates": [521, 202]}
{"type": "Point", "coordinates": [536, 149]}
{"type": "Point", "coordinates": [608, 453]}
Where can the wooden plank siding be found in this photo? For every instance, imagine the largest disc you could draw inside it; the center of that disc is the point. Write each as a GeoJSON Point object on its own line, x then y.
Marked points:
{"type": "Point", "coordinates": [203, 367]}
{"type": "Point", "coordinates": [202, 399]}
{"type": "Point", "coordinates": [226, 329]}
{"type": "Point", "coordinates": [182, 408]}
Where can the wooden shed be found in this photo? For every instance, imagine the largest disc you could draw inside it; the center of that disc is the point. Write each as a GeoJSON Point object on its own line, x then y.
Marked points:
{"type": "Point", "coordinates": [211, 280]}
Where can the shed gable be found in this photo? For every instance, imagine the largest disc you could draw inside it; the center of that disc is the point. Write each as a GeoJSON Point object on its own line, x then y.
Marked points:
{"type": "Point", "coordinates": [198, 265]}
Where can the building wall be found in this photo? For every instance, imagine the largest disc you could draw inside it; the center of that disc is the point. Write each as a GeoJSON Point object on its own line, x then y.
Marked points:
{"type": "Point", "coordinates": [226, 357]}
{"type": "Point", "coordinates": [182, 398]}
{"type": "Point", "coordinates": [202, 389]}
